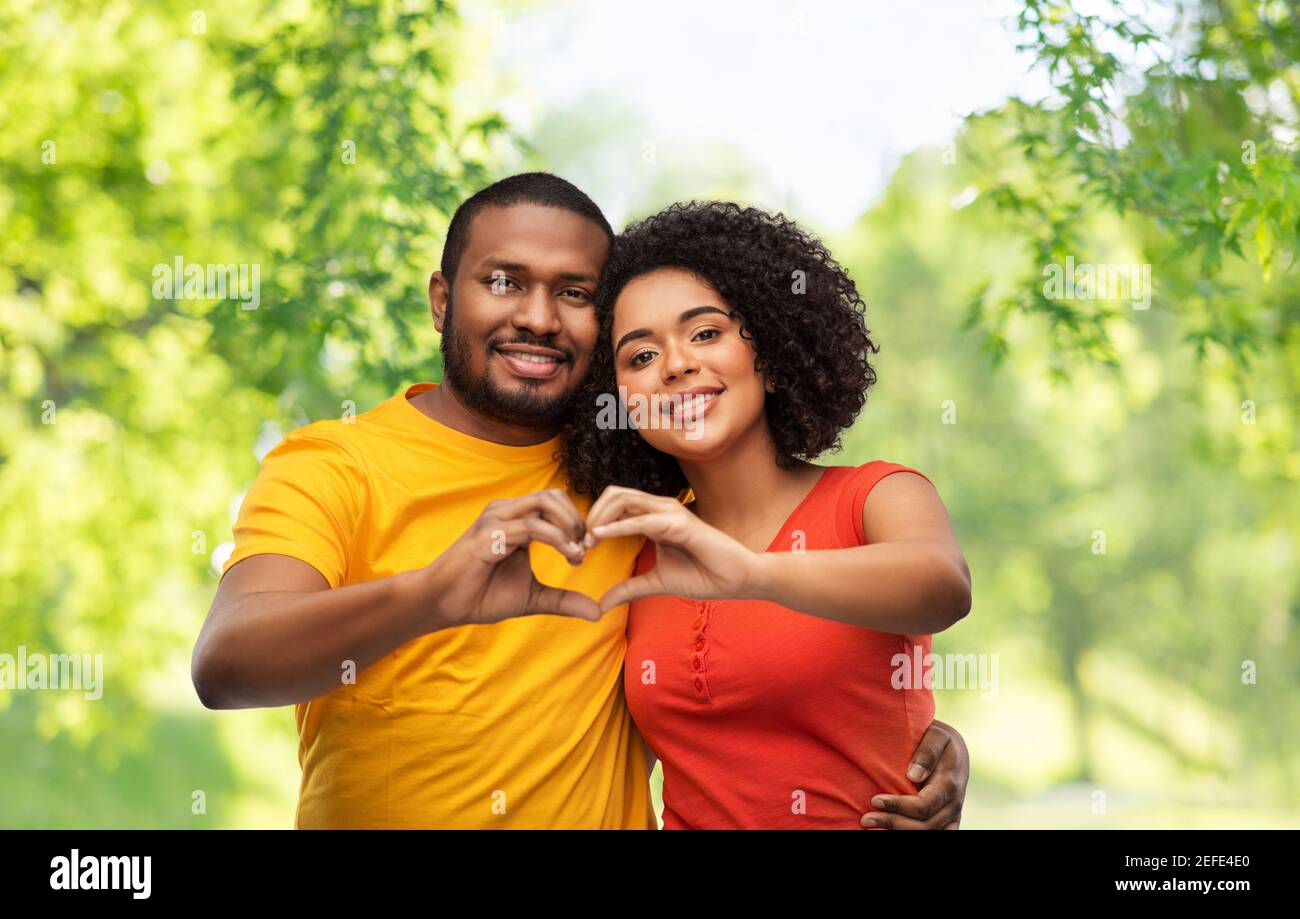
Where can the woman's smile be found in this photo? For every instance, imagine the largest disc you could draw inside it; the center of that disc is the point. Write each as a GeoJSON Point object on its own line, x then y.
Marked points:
{"type": "Point", "coordinates": [690, 406]}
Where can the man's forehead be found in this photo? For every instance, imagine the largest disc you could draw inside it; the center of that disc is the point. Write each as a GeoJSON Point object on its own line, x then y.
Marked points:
{"type": "Point", "coordinates": [541, 239]}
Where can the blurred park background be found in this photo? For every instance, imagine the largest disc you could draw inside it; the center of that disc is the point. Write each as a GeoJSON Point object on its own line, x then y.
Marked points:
{"type": "Point", "coordinates": [1122, 476]}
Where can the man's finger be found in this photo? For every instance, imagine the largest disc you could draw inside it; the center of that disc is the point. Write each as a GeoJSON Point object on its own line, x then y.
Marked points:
{"type": "Point", "coordinates": [947, 814]}
{"type": "Point", "coordinates": [884, 821]}
{"type": "Point", "coordinates": [562, 602]}
{"type": "Point", "coordinates": [921, 806]}
{"type": "Point", "coordinates": [927, 753]}
{"type": "Point", "coordinates": [553, 505]}
{"type": "Point", "coordinates": [515, 534]}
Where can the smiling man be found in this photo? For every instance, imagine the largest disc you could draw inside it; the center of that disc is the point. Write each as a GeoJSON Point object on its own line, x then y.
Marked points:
{"type": "Point", "coordinates": [416, 583]}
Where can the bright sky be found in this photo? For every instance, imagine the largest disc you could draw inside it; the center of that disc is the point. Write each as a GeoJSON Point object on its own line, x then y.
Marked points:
{"type": "Point", "coordinates": [824, 96]}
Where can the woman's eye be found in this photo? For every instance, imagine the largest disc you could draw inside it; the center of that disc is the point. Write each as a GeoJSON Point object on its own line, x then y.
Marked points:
{"type": "Point", "coordinates": [636, 358]}
{"type": "Point", "coordinates": [712, 333]}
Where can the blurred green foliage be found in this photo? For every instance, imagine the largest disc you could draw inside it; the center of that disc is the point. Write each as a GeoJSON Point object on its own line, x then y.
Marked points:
{"type": "Point", "coordinates": [1165, 438]}
{"type": "Point", "coordinates": [1184, 117]}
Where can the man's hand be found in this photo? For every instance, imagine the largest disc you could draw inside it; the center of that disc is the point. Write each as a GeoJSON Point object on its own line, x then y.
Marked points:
{"type": "Point", "coordinates": [941, 769]}
{"type": "Point", "coordinates": [486, 575]}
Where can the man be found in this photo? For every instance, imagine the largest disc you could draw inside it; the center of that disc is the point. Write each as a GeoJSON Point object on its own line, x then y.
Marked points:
{"type": "Point", "coordinates": [389, 572]}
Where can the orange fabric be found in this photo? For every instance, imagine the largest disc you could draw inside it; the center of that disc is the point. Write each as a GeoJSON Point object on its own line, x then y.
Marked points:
{"type": "Point", "coordinates": [764, 717]}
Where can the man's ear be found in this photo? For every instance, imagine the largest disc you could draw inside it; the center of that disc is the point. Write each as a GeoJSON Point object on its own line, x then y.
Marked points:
{"type": "Point", "coordinates": [439, 290]}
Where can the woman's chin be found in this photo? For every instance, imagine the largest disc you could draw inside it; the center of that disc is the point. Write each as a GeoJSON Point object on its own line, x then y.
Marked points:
{"type": "Point", "coordinates": [691, 446]}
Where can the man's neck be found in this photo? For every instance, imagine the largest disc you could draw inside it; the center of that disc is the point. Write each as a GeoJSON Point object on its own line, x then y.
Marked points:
{"type": "Point", "coordinates": [444, 406]}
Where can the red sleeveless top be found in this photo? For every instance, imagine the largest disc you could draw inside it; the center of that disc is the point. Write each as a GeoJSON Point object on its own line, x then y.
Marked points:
{"type": "Point", "coordinates": [764, 717]}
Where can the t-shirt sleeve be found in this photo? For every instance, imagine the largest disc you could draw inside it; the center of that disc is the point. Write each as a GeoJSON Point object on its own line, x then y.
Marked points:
{"type": "Point", "coordinates": [305, 503]}
{"type": "Point", "coordinates": [863, 479]}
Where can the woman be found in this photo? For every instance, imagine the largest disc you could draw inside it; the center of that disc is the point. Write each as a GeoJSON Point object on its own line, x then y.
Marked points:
{"type": "Point", "coordinates": [777, 606]}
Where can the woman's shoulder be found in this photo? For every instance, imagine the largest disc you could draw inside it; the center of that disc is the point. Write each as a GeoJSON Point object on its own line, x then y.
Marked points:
{"type": "Point", "coordinates": [848, 491]}
{"type": "Point", "coordinates": [870, 472]}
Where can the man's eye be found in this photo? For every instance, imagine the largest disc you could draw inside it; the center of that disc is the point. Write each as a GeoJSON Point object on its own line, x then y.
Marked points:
{"type": "Point", "coordinates": [574, 292]}
{"type": "Point", "coordinates": [500, 284]}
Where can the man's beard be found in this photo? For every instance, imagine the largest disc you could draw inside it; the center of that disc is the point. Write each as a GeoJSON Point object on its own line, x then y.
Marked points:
{"type": "Point", "coordinates": [523, 407]}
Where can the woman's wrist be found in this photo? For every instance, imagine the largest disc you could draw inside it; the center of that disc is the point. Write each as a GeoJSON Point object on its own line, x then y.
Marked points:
{"type": "Point", "coordinates": [761, 578]}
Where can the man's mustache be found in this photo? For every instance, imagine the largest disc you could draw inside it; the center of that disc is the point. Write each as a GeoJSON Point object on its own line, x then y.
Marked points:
{"type": "Point", "coordinates": [496, 343]}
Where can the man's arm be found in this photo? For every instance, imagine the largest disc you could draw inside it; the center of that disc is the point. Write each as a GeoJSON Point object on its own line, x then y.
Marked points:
{"type": "Point", "coordinates": [277, 635]}
{"type": "Point", "coordinates": [941, 767]}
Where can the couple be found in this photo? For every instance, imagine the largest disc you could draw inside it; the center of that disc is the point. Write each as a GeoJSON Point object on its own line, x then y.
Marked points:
{"type": "Point", "coordinates": [388, 568]}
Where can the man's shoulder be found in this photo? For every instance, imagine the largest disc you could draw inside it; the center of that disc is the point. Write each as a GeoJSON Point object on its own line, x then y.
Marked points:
{"type": "Point", "coordinates": [335, 439]}
{"type": "Point", "coordinates": [349, 433]}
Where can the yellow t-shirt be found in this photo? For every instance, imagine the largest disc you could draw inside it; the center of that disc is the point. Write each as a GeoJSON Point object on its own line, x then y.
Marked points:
{"type": "Point", "coordinates": [518, 724]}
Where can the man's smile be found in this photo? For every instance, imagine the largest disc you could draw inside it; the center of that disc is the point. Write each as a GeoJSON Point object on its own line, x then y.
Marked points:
{"type": "Point", "coordinates": [531, 361]}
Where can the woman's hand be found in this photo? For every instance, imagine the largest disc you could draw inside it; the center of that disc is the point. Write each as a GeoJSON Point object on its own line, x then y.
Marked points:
{"type": "Point", "coordinates": [693, 559]}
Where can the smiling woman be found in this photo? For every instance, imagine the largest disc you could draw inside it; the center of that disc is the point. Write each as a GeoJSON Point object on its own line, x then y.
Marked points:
{"type": "Point", "coordinates": [771, 603]}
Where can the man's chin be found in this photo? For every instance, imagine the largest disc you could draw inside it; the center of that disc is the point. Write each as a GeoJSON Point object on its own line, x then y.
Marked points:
{"type": "Point", "coordinates": [526, 402]}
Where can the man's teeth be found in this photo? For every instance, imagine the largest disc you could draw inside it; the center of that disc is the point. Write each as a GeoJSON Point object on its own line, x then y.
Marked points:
{"type": "Point", "coordinates": [533, 358]}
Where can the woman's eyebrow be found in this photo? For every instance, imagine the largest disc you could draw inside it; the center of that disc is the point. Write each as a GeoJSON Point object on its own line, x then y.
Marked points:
{"type": "Point", "coordinates": [686, 316]}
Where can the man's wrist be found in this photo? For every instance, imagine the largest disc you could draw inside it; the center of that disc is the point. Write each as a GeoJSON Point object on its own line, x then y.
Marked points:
{"type": "Point", "coordinates": [419, 592]}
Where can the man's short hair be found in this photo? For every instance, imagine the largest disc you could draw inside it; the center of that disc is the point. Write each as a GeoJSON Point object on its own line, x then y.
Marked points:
{"type": "Point", "coordinates": [539, 188]}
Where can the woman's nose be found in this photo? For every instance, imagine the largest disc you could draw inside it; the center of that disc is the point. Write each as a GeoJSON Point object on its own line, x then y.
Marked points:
{"type": "Point", "coordinates": [678, 363]}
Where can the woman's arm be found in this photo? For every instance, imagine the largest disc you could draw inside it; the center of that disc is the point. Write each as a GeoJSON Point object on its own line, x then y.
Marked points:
{"type": "Point", "coordinates": [911, 578]}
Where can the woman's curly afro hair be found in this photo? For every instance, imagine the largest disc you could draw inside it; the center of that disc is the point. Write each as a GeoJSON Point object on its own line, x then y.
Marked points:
{"type": "Point", "coordinates": [797, 306]}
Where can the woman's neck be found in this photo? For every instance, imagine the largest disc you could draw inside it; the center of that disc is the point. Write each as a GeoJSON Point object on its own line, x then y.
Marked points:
{"type": "Point", "coordinates": [744, 493]}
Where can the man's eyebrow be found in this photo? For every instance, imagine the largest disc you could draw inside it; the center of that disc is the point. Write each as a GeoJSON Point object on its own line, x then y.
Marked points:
{"type": "Point", "coordinates": [686, 316]}
{"type": "Point", "coordinates": [571, 276]}
{"type": "Point", "coordinates": [499, 265]}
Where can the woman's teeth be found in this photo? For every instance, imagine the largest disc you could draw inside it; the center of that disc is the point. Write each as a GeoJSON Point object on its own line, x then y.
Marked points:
{"type": "Point", "coordinates": [690, 405]}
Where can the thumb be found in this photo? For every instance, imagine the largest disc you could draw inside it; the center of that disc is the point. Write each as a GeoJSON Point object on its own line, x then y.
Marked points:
{"type": "Point", "coordinates": [564, 603]}
{"type": "Point", "coordinates": [646, 585]}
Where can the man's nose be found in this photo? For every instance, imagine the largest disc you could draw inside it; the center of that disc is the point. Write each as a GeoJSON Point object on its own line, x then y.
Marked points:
{"type": "Point", "coordinates": [537, 313]}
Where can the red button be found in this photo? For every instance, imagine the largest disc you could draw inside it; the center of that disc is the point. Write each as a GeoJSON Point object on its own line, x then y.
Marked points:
{"type": "Point", "coordinates": [696, 624]}
{"type": "Point", "coordinates": [699, 643]}
{"type": "Point", "coordinates": [699, 684]}
{"type": "Point", "coordinates": [696, 663]}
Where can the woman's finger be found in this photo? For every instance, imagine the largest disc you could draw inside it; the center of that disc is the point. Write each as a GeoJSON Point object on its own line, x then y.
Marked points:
{"type": "Point", "coordinates": [656, 526]}
{"type": "Point", "coordinates": [626, 501]}
{"type": "Point", "coordinates": [601, 500]}
{"type": "Point", "coordinates": [645, 585]}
